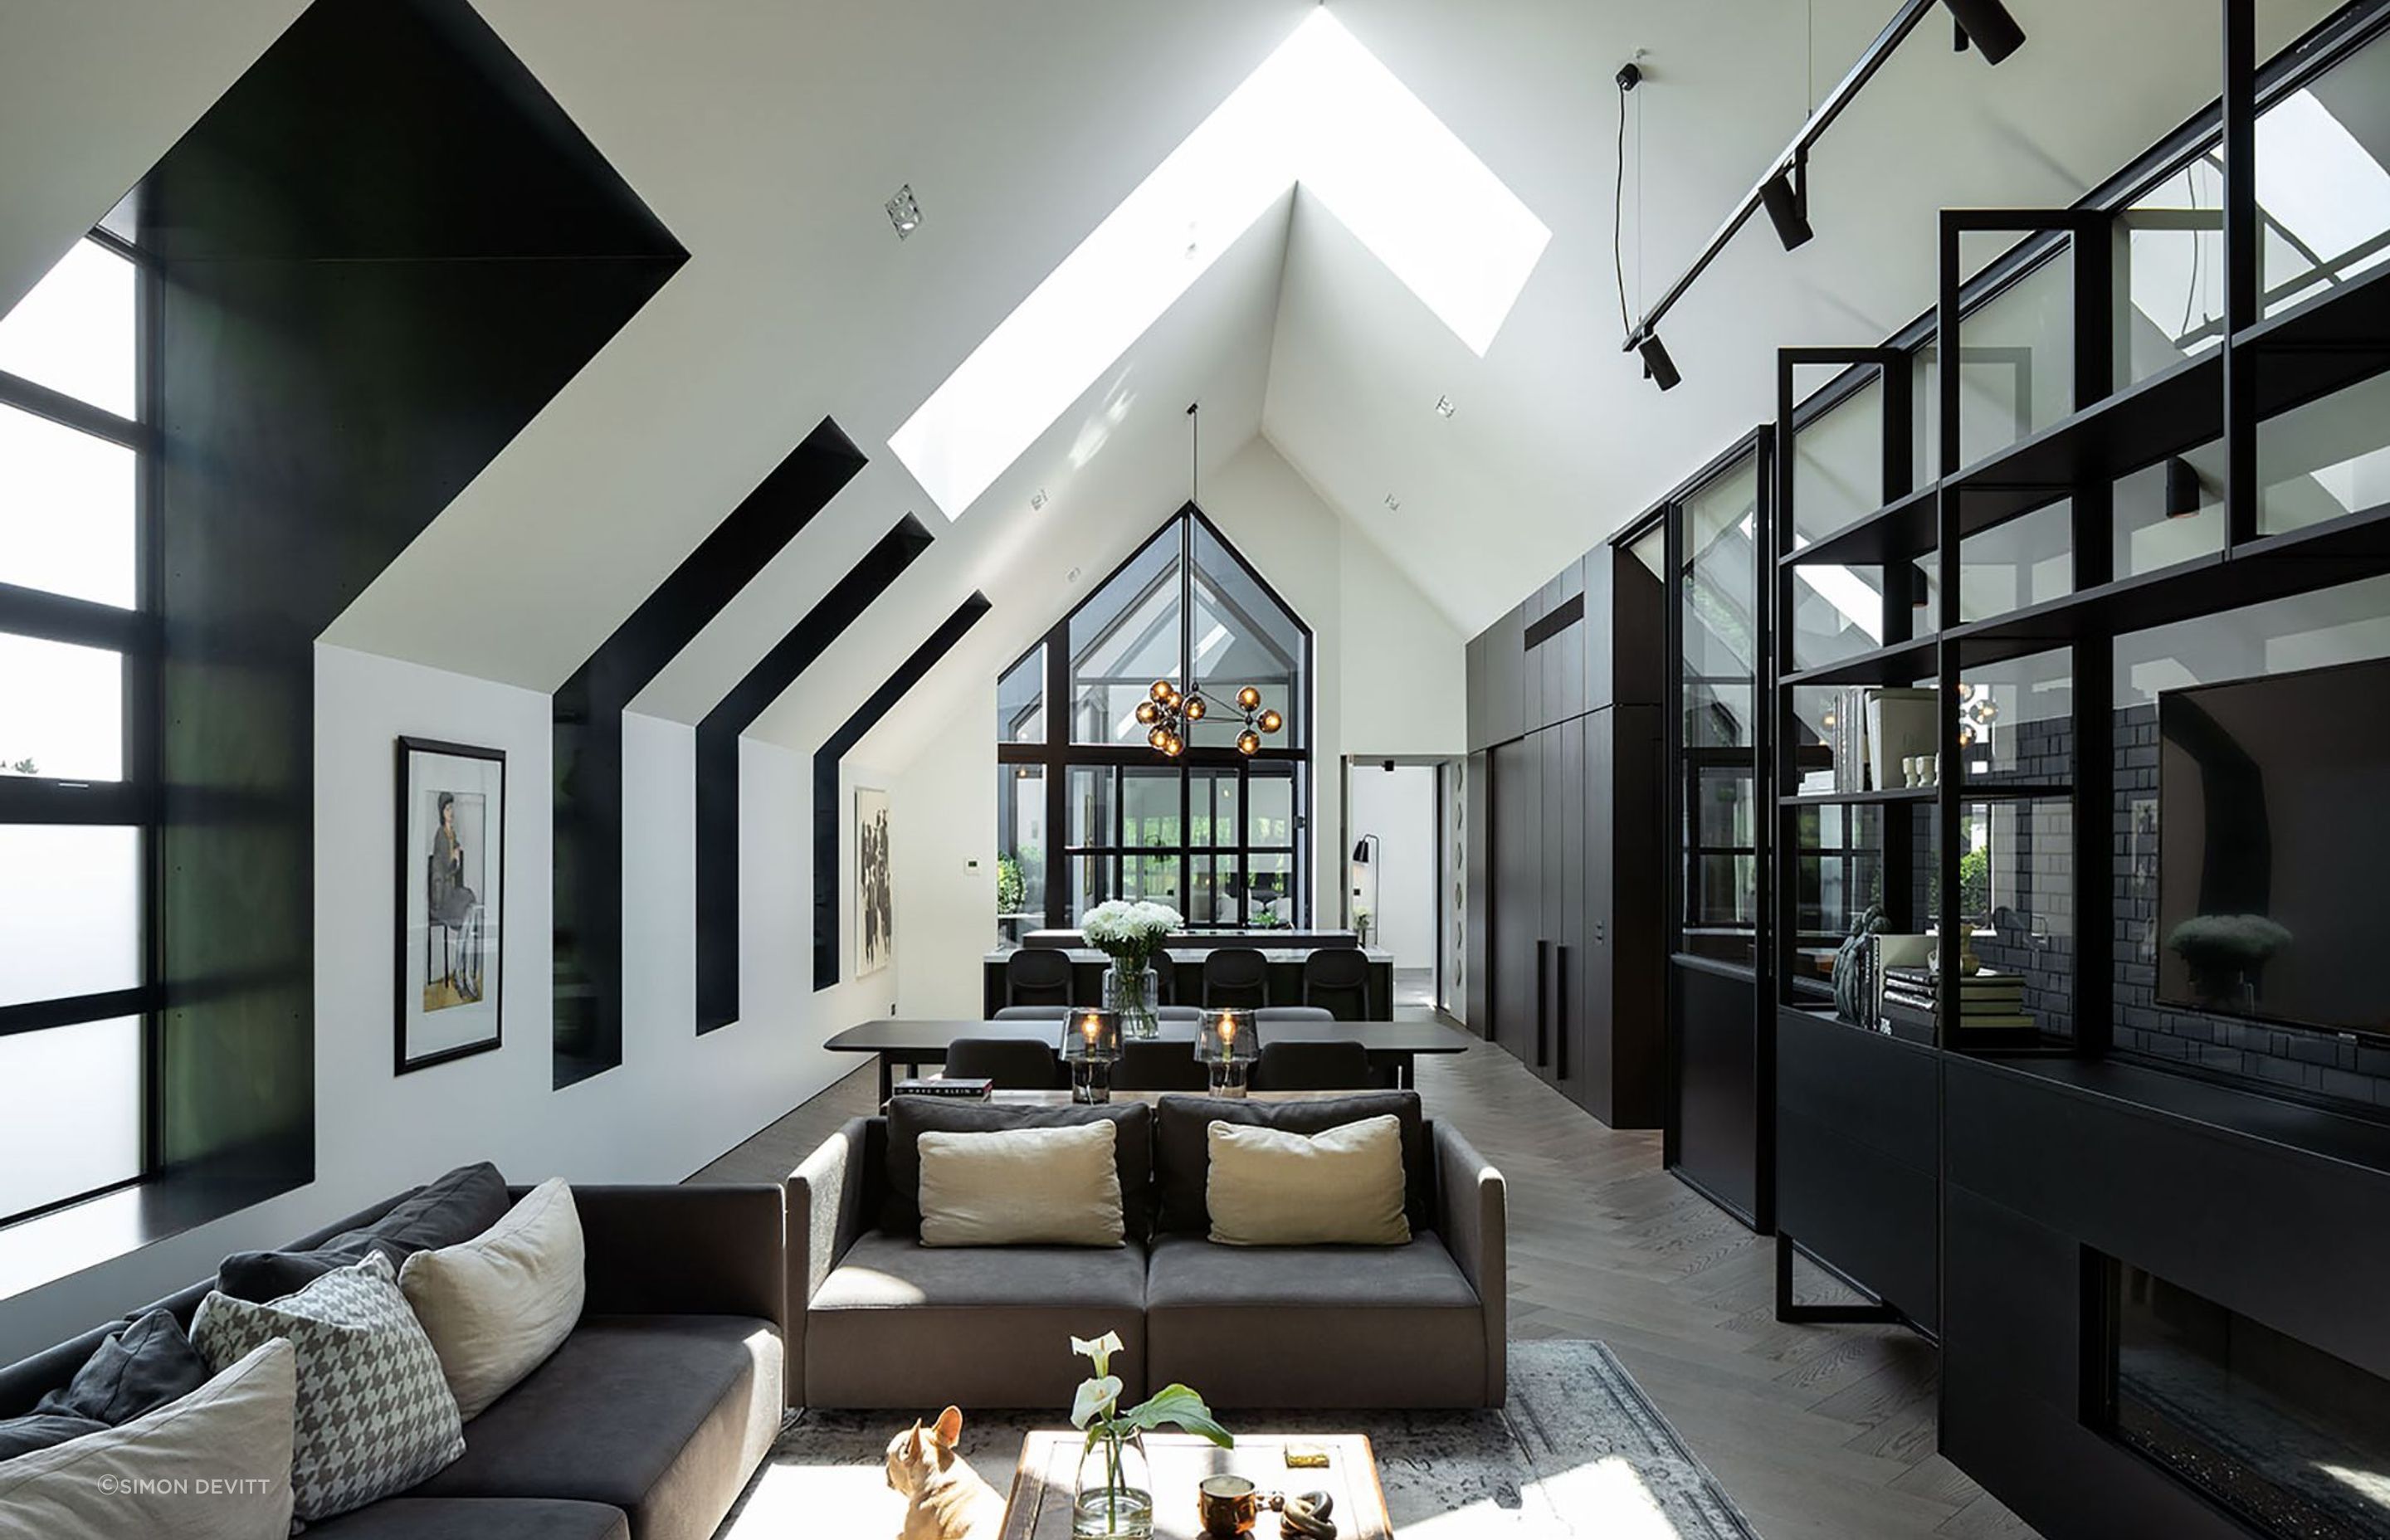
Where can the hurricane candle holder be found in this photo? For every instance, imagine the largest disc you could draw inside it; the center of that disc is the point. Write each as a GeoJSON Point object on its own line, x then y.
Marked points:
{"type": "Point", "coordinates": [1090, 1044]}
{"type": "Point", "coordinates": [1226, 1044]}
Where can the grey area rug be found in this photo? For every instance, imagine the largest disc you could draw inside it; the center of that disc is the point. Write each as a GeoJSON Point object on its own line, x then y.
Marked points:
{"type": "Point", "coordinates": [1578, 1452]}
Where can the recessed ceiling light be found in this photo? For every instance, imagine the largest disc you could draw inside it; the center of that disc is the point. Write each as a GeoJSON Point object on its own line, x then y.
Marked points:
{"type": "Point", "coordinates": [1394, 502]}
{"type": "Point", "coordinates": [1071, 576]}
{"type": "Point", "coordinates": [1444, 406]}
{"type": "Point", "coordinates": [1037, 498]}
{"type": "Point", "coordinates": [904, 212]}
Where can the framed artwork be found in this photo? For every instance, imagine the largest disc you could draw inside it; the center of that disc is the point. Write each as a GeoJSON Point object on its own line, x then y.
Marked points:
{"type": "Point", "coordinates": [875, 908]}
{"type": "Point", "coordinates": [452, 803]}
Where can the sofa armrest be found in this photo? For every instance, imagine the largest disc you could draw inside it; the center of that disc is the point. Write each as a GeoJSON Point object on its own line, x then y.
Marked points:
{"type": "Point", "coordinates": [684, 1250]}
{"type": "Point", "coordinates": [825, 1206]}
{"type": "Point", "coordinates": [1473, 1211]}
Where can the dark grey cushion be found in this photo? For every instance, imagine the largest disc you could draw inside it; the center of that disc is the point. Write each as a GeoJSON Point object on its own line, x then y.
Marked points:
{"type": "Point", "coordinates": [136, 1370]}
{"type": "Point", "coordinates": [910, 1116]}
{"type": "Point", "coordinates": [22, 1435]}
{"type": "Point", "coordinates": [663, 1417]}
{"type": "Point", "coordinates": [458, 1207]}
{"type": "Point", "coordinates": [1182, 1147]}
{"type": "Point", "coordinates": [476, 1519]}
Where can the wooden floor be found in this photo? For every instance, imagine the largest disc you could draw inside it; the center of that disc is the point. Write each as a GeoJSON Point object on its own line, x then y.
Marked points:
{"type": "Point", "coordinates": [1823, 1431]}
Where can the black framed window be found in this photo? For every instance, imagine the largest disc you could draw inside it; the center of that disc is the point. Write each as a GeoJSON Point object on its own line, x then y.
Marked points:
{"type": "Point", "coordinates": [1087, 811]}
{"type": "Point", "coordinates": [78, 682]}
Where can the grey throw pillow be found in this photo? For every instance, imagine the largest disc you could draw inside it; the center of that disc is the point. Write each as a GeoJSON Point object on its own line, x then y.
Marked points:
{"type": "Point", "coordinates": [1182, 1158]}
{"type": "Point", "coordinates": [135, 1371]}
{"type": "Point", "coordinates": [447, 1212]}
{"type": "Point", "coordinates": [24, 1435]}
{"type": "Point", "coordinates": [910, 1116]}
{"type": "Point", "coordinates": [375, 1412]}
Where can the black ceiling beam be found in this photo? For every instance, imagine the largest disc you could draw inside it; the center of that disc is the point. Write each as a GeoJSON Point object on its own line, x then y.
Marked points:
{"type": "Point", "coordinates": [717, 759]}
{"type": "Point", "coordinates": [828, 897]}
{"type": "Point", "coordinates": [587, 724]}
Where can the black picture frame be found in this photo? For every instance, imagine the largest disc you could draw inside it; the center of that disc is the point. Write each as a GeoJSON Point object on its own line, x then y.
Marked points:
{"type": "Point", "coordinates": [406, 989]}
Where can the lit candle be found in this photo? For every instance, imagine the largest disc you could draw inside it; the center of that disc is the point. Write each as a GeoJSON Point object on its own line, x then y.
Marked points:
{"type": "Point", "coordinates": [1228, 1033]}
{"type": "Point", "coordinates": [1089, 1025]}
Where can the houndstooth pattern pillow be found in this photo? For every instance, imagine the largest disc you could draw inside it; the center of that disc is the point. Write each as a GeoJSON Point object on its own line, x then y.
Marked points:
{"type": "Point", "coordinates": [375, 1413]}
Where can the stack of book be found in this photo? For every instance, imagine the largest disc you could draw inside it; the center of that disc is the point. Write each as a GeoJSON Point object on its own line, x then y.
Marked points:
{"type": "Point", "coordinates": [1986, 1000]}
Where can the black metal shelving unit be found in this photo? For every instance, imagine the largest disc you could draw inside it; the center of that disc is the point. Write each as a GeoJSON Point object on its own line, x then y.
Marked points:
{"type": "Point", "coordinates": [1859, 1183]}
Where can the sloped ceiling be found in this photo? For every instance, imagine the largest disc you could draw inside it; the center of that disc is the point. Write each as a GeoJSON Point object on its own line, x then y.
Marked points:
{"type": "Point", "coordinates": [765, 136]}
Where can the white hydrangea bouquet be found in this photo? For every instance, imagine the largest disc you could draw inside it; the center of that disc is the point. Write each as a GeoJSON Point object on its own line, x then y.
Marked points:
{"type": "Point", "coordinates": [1131, 933]}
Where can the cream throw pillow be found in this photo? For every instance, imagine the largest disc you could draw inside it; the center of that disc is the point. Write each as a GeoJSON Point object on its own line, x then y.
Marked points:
{"type": "Point", "coordinates": [1022, 1187]}
{"type": "Point", "coordinates": [214, 1465]}
{"type": "Point", "coordinates": [1342, 1186]}
{"type": "Point", "coordinates": [497, 1306]}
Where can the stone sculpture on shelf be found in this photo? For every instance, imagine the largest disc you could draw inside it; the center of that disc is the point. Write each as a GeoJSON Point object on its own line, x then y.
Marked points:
{"type": "Point", "coordinates": [1306, 1514]}
{"type": "Point", "coordinates": [1852, 1000]}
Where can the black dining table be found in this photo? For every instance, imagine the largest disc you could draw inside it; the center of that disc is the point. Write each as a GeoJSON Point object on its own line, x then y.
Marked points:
{"type": "Point", "coordinates": [916, 1043]}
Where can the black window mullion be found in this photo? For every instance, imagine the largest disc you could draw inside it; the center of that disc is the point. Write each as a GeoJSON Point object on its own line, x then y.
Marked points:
{"type": "Point", "coordinates": [73, 1010]}
{"type": "Point", "coordinates": [83, 417]}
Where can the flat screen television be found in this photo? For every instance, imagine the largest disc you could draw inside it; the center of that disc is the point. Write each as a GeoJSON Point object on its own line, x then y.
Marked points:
{"type": "Point", "coordinates": [2274, 848]}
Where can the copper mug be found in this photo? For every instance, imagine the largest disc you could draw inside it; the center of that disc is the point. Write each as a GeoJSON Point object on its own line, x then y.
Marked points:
{"type": "Point", "coordinates": [1227, 1505]}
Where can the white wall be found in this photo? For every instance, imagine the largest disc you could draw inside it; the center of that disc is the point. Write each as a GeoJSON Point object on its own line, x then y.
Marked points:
{"type": "Point", "coordinates": [1398, 806]}
{"type": "Point", "coordinates": [1389, 678]}
{"type": "Point", "coordinates": [677, 1101]}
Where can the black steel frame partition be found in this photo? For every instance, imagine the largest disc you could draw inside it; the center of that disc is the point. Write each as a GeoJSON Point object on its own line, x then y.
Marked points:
{"type": "Point", "coordinates": [2265, 365]}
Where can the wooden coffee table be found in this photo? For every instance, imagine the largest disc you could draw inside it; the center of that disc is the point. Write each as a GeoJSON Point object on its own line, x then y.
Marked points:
{"type": "Point", "coordinates": [1049, 1471]}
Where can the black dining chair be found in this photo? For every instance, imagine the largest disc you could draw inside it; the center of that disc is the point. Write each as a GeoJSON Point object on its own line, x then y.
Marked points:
{"type": "Point", "coordinates": [1235, 978]}
{"type": "Point", "coordinates": [1037, 976]}
{"type": "Point", "coordinates": [1148, 1065]}
{"type": "Point", "coordinates": [1292, 1066]}
{"type": "Point", "coordinates": [1032, 1013]}
{"type": "Point", "coordinates": [1268, 1014]}
{"type": "Point", "coordinates": [1014, 1064]}
{"type": "Point", "coordinates": [1338, 978]}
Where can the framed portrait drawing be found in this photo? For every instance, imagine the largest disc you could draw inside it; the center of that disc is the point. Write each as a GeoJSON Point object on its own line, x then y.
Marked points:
{"type": "Point", "coordinates": [875, 908]}
{"type": "Point", "coordinates": [452, 809]}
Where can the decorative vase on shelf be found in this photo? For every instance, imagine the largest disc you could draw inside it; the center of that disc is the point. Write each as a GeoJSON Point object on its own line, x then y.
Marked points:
{"type": "Point", "coordinates": [1134, 989]}
{"type": "Point", "coordinates": [1114, 1499]}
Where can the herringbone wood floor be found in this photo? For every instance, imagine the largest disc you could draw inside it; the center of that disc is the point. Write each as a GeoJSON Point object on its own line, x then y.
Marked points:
{"type": "Point", "coordinates": [1818, 1431]}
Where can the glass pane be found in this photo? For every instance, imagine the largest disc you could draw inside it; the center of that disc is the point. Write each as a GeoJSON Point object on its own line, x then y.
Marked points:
{"type": "Point", "coordinates": [1721, 646]}
{"type": "Point", "coordinates": [2024, 561]}
{"type": "Point", "coordinates": [1020, 851]}
{"type": "Point", "coordinates": [2326, 460]}
{"type": "Point", "coordinates": [2016, 720]}
{"type": "Point", "coordinates": [69, 910]}
{"type": "Point", "coordinates": [1243, 639]}
{"type": "Point", "coordinates": [1211, 894]}
{"type": "Point", "coordinates": [1153, 878]}
{"type": "Point", "coordinates": [2017, 367]}
{"type": "Point", "coordinates": [1021, 700]}
{"type": "Point", "coordinates": [74, 331]}
{"type": "Point", "coordinates": [1837, 612]}
{"type": "Point", "coordinates": [1838, 466]}
{"type": "Point", "coordinates": [1123, 640]}
{"type": "Point", "coordinates": [1091, 805]}
{"type": "Point", "coordinates": [70, 1111]}
{"type": "Point", "coordinates": [2323, 197]}
{"type": "Point", "coordinates": [65, 510]}
{"type": "Point", "coordinates": [1652, 550]}
{"type": "Point", "coordinates": [1269, 816]}
{"type": "Point", "coordinates": [2170, 512]}
{"type": "Point", "coordinates": [2172, 254]}
{"type": "Point", "coordinates": [1150, 808]}
{"type": "Point", "coordinates": [1092, 880]}
{"type": "Point", "coordinates": [61, 709]}
{"type": "Point", "coordinates": [1269, 899]}
{"type": "Point", "coordinates": [1213, 801]}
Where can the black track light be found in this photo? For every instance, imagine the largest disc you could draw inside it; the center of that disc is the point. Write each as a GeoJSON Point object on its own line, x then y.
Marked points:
{"type": "Point", "coordinates": [2182, 491]}
{"type": "Point", "coordinates": [1787, 203]}
{"type": "Point", "coordinates": [1988, 25]}
{"type": "Point", "coordinates": [1658, 367]}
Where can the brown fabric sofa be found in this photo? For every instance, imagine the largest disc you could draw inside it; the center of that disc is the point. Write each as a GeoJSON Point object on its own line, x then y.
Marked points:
{"type": "Point", "coordinates": [887, 1323]}
{"type": "Point", "coordinates": [645, 1425]}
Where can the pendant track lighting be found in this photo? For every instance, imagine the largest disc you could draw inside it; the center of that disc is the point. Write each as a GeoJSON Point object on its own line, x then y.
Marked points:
{"type": "Point", "coordinates": [1785, 196]}
{"type": "Point", "coordinates": [1658, 367]}
{"type": "Point", "coordinates": [1987, 25]}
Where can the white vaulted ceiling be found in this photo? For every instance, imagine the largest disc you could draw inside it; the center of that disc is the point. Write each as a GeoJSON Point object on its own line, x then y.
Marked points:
{"type": "Point", "coordinates": [765, 135]}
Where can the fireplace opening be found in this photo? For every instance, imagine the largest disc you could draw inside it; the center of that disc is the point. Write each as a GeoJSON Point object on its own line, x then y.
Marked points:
{"type": "Point", "coordinates": [2292, 1439]}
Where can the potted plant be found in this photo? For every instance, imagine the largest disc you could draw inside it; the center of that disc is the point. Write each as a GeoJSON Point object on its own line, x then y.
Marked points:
{"type": "Point", "coordinates": [1115, 1487]}
{"type": "Point", "coordinates": [2225, 954]}
{"type": "Point", "coordinates": [1130, 934]}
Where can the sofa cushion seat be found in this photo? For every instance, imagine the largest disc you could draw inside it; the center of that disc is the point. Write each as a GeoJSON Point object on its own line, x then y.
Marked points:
{"type": "Point", "coordinates": [1343, 1326]}
{"type": "Point", "coordinates": [997, 1320]}
{"type": "Point", "coordinates": [659, 1416]}
{"type": "Point", "coordinates": [476, 1519]}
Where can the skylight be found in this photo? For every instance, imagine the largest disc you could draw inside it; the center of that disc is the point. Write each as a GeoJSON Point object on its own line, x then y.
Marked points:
{"type": "Point", "coordinates": [1320, 111]}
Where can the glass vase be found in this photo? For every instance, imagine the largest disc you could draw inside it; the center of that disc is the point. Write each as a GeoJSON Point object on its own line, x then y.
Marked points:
{"type": "Point", "coordinates": [1134, 989]}
{"type": "Point", "coordinates": [1115, 1491]}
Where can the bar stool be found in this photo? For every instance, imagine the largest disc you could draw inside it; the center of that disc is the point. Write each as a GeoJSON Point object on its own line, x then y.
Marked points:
{"type": "Point", "coordinates": [1338, 977]}
{"type": "Point", "coordinates": [1037, 976]}
{"type": "Point", "coordinates": [1235, 978]}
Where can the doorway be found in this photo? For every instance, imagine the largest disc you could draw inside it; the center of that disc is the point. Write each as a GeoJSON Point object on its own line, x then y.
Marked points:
{"type": "Point", "coordinates": [1394, 844]}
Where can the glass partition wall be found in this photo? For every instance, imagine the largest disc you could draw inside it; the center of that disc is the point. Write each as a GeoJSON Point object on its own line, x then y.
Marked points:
{"type": "Point", "coordinates": [1088, 811]}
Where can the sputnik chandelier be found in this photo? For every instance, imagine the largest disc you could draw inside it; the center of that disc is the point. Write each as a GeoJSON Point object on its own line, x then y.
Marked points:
{"type": "Point", "coordinates": [1168, 713]}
